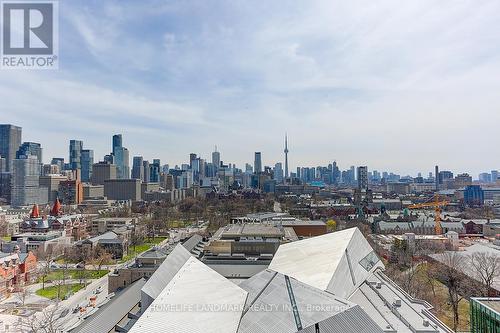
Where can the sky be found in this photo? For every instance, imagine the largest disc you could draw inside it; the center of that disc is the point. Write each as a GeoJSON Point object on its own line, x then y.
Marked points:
{"type": "Point", "coordinates": [395, 85]}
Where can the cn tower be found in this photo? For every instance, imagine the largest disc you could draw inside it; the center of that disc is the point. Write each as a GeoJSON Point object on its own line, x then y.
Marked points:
{"type": "Point", "coordinates": [286, 156]}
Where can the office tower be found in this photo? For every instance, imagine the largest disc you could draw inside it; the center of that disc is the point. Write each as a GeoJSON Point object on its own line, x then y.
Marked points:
{"type": "Point", "coordinates": [30, 148]}
{"type": "Point", "coordinates": [278, 172]}
{"type": "Point", "coordinates": [110, 158]}
{"type": "Point", "coordinates": [286, 156]}
{"type": "Point", "coordinates": [103, 171]}
{"type": "Point", "coordinates": [257, 165]}
{"type": "Point", "coordinates": [484, 177]}
{"type": "Point", "coordinates": [335, 173]}
{"type": "Point", "coordinates": [3, 164]}
{"type": "Point", "coordinates": [50, 169]}
{"type": "Point", "coordinates": [216, 158]}
{"type": "Point", "coordinates": [474, 196]}
{"type": "Point", "coordinates": [86, 160]}
{"type": "Point", "coordinates": [51, 182]}
{"type": "Point", "coordinates": [169, 182]}
{"type": "Point", "coordinates": [10, 140]}
{"type": "Point", "coordinates": [122, 161]}
{"type": "Point", "coordinates": [121, 157]}
{"type": "Point", "coordinates": [147, 177]}
{"type": "Point", "coordinates": [202, 168]}
{"type": "Point", "coordinates": [248, 168]}
{"type": "Point", "coordinates": [494, 176]}
{"type": "Point", "coordinates": [157, 161]}
{"type": "Point", "coordinates": [59, 161]}
{"type": "Point", "coordinates": [444, 175]}
{"type": "Point", "coordinates": [5, 186]}
{"type": "Point", "coordinates": [123, 189]}
{"type": "Point", "coordinates": [26, 182]}
{"type": "Point", "coordinates": [75, 154]}
{"type": "Point", "coordinates": [154, 173]}
{"type": "Point", "coordinates": [117, 142]}
{"type": "Point", "coordinates": [138, 168]}
{"type": "Point", "coordinates": [436, 176]}
{"type": "Point", "coordinates": [192, 157]}
{"type": "Point", "coordinates": [362, 177]}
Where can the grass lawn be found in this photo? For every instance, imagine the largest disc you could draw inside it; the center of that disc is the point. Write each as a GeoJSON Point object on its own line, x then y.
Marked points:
{"type": "Point", "coordinates": [141, 248]}
{"type": "Point", "coordinates": [157, 240]}
{"type": "Point", "coordinates": [52, 292]}
{"type": "Point", "coordinates": [444, 311]}
{"type": "Point", "coordinates": [178, 224]}
{"type": "Point", "coordinates": [74, 274]}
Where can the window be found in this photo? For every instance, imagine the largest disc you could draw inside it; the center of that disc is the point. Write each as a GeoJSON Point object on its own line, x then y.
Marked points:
{"type": "Point", "coordinates": [369, 261]}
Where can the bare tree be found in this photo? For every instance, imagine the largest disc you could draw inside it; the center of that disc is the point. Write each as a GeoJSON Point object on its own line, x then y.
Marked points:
{"type": "Point", "coordinates": [487, 269]}
{"type": "Point", "coordinates": [23, 293]}
{"type": "Point", "coordinates": [100, 257]}
{"type": "Point", "coordinates": [42, 322]}
{"type": "Point", "coordinates": [45, 256]}
{"type": "Point", "coordinates": [449, 273]}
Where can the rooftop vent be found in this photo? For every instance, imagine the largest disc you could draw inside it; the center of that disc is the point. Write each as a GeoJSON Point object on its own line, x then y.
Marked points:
{"type": "Point", "coordinates": [379, 285]}
{"type": "Point", "coordinates": [397, 302]}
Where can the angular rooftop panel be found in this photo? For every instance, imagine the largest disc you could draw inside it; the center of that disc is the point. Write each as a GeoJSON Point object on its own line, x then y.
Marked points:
{"type": "Point", "coordinates": [162, 276]}
{"type": "Point", "coordinates": [196, 300]}
{"type": "Point", "coordinates": [277, 303]}
{"type": "Point", "coordinates": [338, 262]}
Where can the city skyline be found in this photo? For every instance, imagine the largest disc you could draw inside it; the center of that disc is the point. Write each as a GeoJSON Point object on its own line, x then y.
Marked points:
{"type": "Point", "coordinates": [116, 140]}
{"type": "Point", "coordinates": [353, 83]}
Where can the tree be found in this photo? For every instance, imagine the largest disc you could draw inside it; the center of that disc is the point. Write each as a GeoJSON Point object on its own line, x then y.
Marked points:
{"type": "Point", "coordinates": [487, 269]}
{"type": "Point", "coordinates": [100, 257]}
{"type": "Point", "coordinates": [449, 273]}
{"type": "Point", "coordinates": [23, 293]}
{"type": "Point", "coordinates": [42, 322]}
{"type": "Point", "coordinates": [45, 257]}
{"type": "Point", "coordinates": [332, 225]}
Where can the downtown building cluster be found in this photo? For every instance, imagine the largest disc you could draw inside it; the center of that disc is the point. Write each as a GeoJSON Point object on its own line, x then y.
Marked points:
{"type": "Point", "coordinates": [25, 179]}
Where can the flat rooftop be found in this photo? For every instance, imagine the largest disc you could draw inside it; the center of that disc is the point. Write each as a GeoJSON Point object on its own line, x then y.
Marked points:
{"type": "Point", "coordinates": [248, 230]}
{"type": "Point", "coordinates": [492, 303]}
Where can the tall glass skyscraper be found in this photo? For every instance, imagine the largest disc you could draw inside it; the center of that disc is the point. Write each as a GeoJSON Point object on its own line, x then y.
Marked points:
{"type": "Point", "coordinates": [30, 148]}
{"type": "Point", "coordinates": [25, 182]}
{"type": "Point", "coordinates": [117, 142]}
{"type": "Point", "coordinates": [138, 168]}
{"type": "Point", "coordinates": [257, 166]}
{"type": "Point", "coordinates": [10, 140]}
{"type": "Point", "coordinates": [87, 160]}
{"type": "Point", "coordinates": [75, 154]}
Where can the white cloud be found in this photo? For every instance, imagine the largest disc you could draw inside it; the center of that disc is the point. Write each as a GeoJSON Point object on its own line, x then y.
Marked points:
{"type": "Point", "coordinates": [389, 84]}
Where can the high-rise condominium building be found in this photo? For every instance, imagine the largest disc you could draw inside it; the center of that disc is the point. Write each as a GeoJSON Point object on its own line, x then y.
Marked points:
{"type": "Point", "coordinates": [75, 154]}
{"type": "Point", "coordinates": [87, 160]}
{"type": "Point", "coordinates": [216, 158]}
{"type": "Point", "coordinates": [258, 162]}
{"type": "Point", "coordinates": [362, 178]}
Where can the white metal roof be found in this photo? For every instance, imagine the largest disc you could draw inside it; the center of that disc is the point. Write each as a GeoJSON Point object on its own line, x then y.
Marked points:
{"type": "Point", "coordinates": [197, 299]}
{"type": "Point", "coordinates": [331, 262]}
{"type": "Point", "coordinates": [163, 274]}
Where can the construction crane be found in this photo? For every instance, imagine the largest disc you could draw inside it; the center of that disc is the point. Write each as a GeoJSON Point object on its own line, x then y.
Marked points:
{"type": "Point", "coordinates": [436, 204]}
